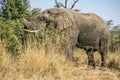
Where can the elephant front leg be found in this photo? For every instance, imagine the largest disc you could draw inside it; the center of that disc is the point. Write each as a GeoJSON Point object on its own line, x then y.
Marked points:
{"type": "Point", "coordinates": [69, 52]}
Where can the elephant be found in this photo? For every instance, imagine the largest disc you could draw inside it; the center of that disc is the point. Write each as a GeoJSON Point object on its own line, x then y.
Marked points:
{"type": "Point", "coordinates": [86, 31]}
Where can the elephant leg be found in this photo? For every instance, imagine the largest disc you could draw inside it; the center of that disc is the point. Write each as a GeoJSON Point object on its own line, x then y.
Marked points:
{"type": "Point", "coordinates": [91, 63]}
{"type": "Point", "coordinates": [103, 52]}
{"type": "Point", "coordinates": [103, 59]}
{"type": "Point", "coordinates": [69, 52]}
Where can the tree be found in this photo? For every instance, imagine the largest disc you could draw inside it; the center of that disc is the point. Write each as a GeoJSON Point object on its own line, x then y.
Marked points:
{"type": "Point", "coordinates": [14, 9]}
{"type": "Point", "coordinates": [115, 36]}
{"type": "Point", "coordinates": [60, 4]}
{"type": "Point", "coordinates": [11, 26]}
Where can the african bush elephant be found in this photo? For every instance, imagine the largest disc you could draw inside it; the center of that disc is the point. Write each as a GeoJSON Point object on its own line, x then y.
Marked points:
{"type": "Point", "coordinates": [87, 31]}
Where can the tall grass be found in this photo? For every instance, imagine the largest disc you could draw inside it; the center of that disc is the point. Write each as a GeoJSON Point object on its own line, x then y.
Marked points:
{"type": "Point", "coordinates": [42, 64]}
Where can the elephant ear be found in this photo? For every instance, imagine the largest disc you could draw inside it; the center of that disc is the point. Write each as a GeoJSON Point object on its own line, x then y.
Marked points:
{"type": "Point", "coordinates": [65, 19]}
{"type": "Point", "coordinates": [62, 17]}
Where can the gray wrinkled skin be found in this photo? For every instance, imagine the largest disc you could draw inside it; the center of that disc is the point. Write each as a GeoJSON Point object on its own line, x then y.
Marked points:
{"type": "Point", "coordinates": [87, 31]}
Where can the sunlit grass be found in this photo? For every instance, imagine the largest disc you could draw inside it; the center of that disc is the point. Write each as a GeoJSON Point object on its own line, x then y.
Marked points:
{"type": "Point", "coordinates": [39, 64]}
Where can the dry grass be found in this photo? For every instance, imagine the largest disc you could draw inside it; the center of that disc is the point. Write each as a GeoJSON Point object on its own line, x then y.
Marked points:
{"type": "Point", "coordinates": [35, 64]}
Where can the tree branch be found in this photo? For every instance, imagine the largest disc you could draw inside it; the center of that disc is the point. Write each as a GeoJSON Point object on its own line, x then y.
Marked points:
{"type": "Point", "coordinates": [75, 1]}
{"type": "Point", "coordinates": [66, 3]}
{"type": "Point", "coordinates": [57, 4]}
{"type": "Point", "coordinates": [62, 5]}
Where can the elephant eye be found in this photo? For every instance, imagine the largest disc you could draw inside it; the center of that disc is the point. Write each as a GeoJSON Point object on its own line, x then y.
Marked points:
{"type": "Point", "coordinates": [48, 11]}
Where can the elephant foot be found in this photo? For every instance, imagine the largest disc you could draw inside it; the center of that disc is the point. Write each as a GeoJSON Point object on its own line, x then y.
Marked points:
{"type": "Point", "coordinates": [69, 57]}
{"type": "Point", "coordinates": [103, 64]}
{"type": "Point", "coordinates": [90, 67]}
{"type": "Point", "coordinates": [91, 64]}
{"type": "Point", "coordinates": [103, 67]}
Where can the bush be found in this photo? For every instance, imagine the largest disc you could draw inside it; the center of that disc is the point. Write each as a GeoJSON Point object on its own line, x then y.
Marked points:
{"type": "Point", "coordinates": [115, 39]}
{"type": "Point", "coordinates": [11, 33]}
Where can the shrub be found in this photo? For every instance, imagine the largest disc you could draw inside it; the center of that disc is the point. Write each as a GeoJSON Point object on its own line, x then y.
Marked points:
{"type": "Point", "coordinates": [11, 33]}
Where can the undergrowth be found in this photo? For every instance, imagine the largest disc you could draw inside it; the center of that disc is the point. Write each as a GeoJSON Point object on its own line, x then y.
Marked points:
{"type": "Point", "coordinates": [39, 64]}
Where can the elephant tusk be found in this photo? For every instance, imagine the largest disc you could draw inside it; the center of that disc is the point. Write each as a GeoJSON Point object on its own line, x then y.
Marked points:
{"type": "Point", "coordinates": [31, 31]}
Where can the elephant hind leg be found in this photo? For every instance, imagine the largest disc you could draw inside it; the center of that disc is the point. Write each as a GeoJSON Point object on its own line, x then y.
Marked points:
{"type": "Point", "coordinates": [91, 63]}
{"type": "Point", "coordinates": [103, 58]}
{"type": "Point", "coordinates": [103, 52]}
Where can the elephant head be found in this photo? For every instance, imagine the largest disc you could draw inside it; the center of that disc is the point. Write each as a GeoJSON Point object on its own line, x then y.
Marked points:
{"type": "Point", "coordinates": [34, 26]}
{"type": "Point", "coordinates": [59, 18]}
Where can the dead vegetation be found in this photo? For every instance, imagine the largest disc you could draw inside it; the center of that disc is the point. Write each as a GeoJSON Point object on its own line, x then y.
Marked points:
{"type": "Point", "coordinates": [35, 64]}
